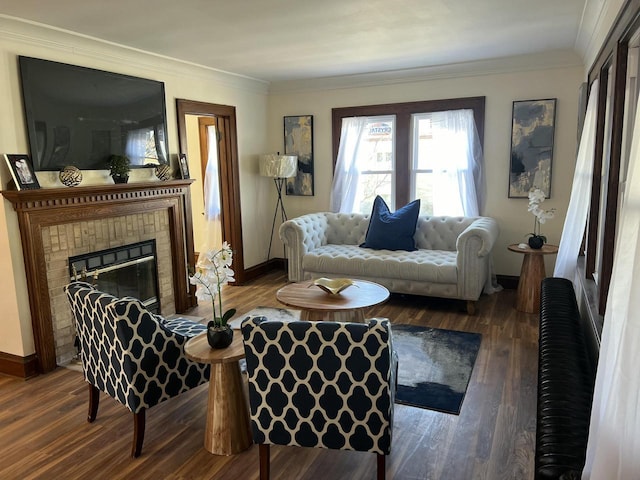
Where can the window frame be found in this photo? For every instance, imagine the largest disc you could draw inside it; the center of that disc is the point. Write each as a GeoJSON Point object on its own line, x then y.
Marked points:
{"type": "Point", "coordinates": [610, 62]}
{"type": "Point", "coordinates": [414, 143]}
{"type": "Point", "coordinates": [403, 112]}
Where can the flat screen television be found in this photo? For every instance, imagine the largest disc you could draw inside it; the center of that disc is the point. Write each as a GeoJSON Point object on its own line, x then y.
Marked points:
{"type": "Point", "coordinates": [80, 116]}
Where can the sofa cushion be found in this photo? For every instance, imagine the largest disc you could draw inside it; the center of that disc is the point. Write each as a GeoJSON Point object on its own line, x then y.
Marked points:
{"type": "Point", "coordinates": [392, 231]}
{"type": "Point", "coordinates": [437, 266]}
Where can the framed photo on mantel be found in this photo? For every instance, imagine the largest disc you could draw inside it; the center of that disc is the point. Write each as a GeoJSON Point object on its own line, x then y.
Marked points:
{"type": "Point", "coordinates": [184, 166]}
{"type": "Point", "coordinates": [22, 172]}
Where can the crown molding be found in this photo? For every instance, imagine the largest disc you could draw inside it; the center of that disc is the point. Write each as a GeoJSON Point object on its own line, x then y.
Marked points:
{"type": "Point", "coordinates": [598, 16]}
{"type": "Point", "coordinates": [39, 35]}
{"type": "Point", "coordinates": [521, 63]}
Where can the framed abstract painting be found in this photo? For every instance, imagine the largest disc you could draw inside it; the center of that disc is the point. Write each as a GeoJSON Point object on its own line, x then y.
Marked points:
{"type": "Point", "coordinates": [532, 135]}
{"type": "Point", "coordinates": [298, 140]}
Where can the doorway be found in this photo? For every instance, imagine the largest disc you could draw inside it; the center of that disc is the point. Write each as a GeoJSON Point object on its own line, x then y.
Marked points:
{"type": "Point", "coordinates": [223, 119]}
{"type": "Point", "coordinates": [211, 150]}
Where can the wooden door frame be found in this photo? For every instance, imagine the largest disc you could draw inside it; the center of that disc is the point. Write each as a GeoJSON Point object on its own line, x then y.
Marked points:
{"type": "Point", "coordinates": [229, 176]}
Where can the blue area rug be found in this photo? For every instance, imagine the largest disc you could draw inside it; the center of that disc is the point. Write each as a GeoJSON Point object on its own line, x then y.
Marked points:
{"type": "Point", "coordinates": [434, 367]}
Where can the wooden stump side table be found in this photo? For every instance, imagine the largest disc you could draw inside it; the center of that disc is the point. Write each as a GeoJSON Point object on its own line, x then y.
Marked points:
{"type": "Point", "coordinates": [531, 276]}
{"type": "Point", "coordinates": [227, 431]}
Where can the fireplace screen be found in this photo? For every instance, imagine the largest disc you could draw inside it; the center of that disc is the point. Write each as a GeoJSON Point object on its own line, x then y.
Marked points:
{"type": "Point", "coordinates": [130, 270]}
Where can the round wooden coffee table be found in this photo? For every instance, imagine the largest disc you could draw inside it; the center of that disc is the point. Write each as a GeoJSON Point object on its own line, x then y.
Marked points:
{"type": "Point", "coordinates": [227, 431]}
{"type": "Point", "coordinates": [531, 276]}
{"type": "Point", "coordinates": [346, 306]}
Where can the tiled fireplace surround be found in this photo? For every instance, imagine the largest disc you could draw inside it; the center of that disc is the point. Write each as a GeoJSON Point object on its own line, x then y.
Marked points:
{"type": "Point", "coordinates": [63, 241]}
{"type": "Point", "coordinates": [56, 224]}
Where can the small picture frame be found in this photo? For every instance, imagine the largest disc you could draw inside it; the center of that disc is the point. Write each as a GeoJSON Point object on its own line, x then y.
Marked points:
{"type": "Point", "coordinates": [22, 171]}
{"type": "Point", "coordinates": [184, 166]}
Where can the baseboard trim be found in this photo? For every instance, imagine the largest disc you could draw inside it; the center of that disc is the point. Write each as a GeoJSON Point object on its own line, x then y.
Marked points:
{"type": "Point", "coordinates": [508, 282]}
{"type": "Point", "coordinates": [16, 366]}
{"type": "Point", "coordinates": [263, 268]}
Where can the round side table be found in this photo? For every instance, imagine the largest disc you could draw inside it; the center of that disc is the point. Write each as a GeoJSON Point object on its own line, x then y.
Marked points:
{"type": "Point", "coordinates": [228, 428]}
{"type": "Point", "coordinates": [531, 276]}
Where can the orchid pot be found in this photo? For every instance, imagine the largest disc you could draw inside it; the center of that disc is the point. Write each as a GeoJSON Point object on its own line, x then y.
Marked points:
{"type": "Point", "coordinates": [219, 337]}
{"type": "Point", "coordinates": [537, 241]}
{"type": "Point", "coordinates": [212, 272]}
{"type": "Point", "coordinates": [536, 197]}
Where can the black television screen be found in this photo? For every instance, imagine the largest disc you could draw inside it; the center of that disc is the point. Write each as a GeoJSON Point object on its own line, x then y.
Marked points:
{"type": "Point", "coordinates": [80, 116]}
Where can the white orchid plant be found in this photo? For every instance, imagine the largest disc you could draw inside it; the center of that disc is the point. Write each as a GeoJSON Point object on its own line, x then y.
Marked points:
{"type": "Point", "coordinates": [213, 270]}
{"type": "Point", "coordinates": [536, 197]}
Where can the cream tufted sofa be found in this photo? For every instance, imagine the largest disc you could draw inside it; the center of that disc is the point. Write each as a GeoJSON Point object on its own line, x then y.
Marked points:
{"type": "Point", "coordinates": [453, 259]}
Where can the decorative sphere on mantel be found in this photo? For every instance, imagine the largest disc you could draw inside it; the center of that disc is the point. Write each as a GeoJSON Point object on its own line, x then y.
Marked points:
{"type": "Point", "coordinates": [163, 172]}
{"type": "Point", "coordinates": [70, 176]}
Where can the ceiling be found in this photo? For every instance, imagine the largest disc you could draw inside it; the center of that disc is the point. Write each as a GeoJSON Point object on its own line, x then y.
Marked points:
{"type": "Point", "coordinates": [282, 40]}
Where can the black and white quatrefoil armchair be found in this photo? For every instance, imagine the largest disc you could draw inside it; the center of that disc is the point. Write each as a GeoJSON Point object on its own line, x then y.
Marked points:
{"type": "Point", "coordinates": [130, 354]}
{"type": "Point", "coordinates": [321, 384]}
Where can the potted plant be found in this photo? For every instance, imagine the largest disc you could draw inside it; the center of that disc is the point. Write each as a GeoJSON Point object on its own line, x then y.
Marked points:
{"type": "Point", "coordinates": [119, 167]}
{"type": "Point", "coordinates": [536, 197]}
{"type": "Point", "coordinates": [212, 272]}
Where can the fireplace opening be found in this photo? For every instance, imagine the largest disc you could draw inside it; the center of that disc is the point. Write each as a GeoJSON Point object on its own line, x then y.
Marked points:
{"type": "Point", "coordinates": [127, 271]}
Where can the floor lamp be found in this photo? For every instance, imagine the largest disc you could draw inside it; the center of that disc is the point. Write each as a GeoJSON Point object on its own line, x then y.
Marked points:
{"type": "Point", "coordinates": [279, 167]}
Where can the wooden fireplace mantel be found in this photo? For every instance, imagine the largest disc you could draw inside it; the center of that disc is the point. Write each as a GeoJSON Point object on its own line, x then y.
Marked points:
{"type": "Point", "coordinates": [54, 206]}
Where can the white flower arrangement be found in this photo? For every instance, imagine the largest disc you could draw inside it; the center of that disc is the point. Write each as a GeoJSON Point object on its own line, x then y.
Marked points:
{"type": "Point", "coordinates": [536, 197]}
{"type": "Point", "coordinates": [213, 270]}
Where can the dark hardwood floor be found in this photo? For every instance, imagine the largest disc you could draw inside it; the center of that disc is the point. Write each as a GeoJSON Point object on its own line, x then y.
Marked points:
{"type": "Point", "coordinates": [44, 432]}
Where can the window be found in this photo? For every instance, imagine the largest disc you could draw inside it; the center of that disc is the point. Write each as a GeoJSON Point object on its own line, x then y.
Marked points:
{"type": "Point", "coordinates": [603, 178]}
{"type": "Point", "coordinates": [422, 167]}
{"type": "Point", "coordinates": [393, 153]}
{"type": "Point", "coordinates": [377, 163]}
{"type": "Point", "coordinates": [446, 163]}
{"type": "Point", "coordinates": [617, 70]}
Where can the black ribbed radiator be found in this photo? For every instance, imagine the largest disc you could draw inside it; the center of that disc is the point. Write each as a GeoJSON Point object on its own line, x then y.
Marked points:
{"type": "Point", "coordinates": [566, 376]}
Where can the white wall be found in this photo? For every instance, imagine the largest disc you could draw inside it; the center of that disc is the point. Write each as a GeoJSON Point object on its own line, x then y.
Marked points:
{"type": "Point", "coordinates": [181, 80]}
{"type": "Point", "coordinates": [500, 90]}
{"type": "Point", "coordinates": [259, 129]}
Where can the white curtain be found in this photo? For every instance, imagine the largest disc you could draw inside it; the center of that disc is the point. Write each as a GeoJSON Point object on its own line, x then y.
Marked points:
{"type": "Point", "coordinates": [576, 219]}
{"type": "Point", "coordinates": [458, 169]}
{"type": "Point", "coordinates": [136, 146]}
{"type": "Point", "coordinates": [347, 175]}
{"type": "Point", "coordinates": [613, 451]}
{"type": "Point", "coordinates": [213, 237]}
{"type": "Point", "coordinates": [457, 163]}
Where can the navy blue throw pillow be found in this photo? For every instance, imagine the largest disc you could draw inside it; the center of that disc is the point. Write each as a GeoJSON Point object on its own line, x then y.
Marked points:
{"type": "Point", "coordinates": [392, 231]}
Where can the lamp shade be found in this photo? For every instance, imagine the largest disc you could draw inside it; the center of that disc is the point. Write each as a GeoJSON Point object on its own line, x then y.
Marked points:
{"type": "Point", "coordinates": [278, 166]}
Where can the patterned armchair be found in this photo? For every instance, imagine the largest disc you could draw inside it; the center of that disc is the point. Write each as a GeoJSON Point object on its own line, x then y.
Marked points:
{"type": "Point", "coordinates": [130, 354]}
{"type": "Point", "coordinates": [321, 384]}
